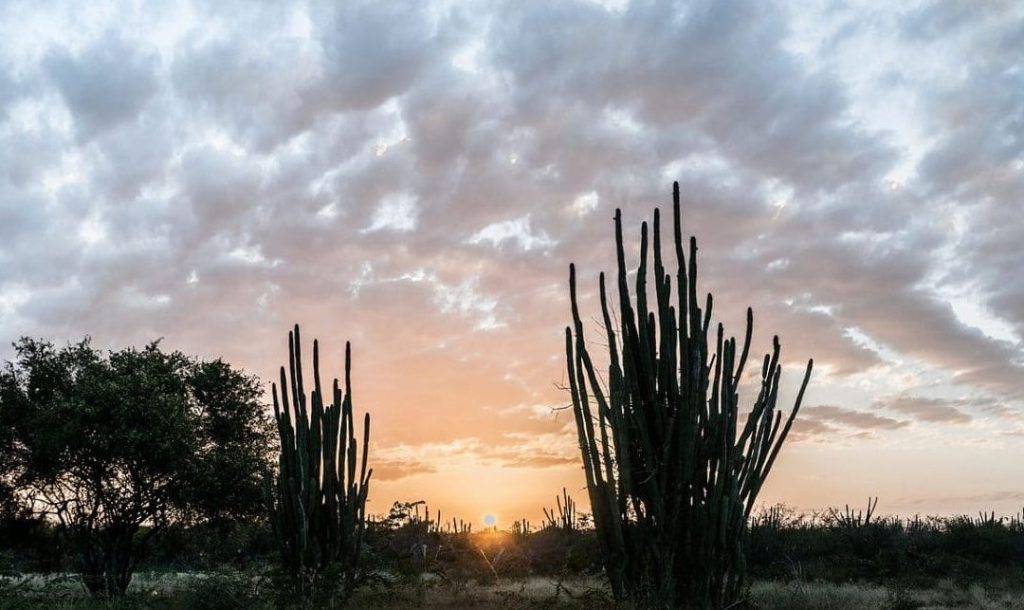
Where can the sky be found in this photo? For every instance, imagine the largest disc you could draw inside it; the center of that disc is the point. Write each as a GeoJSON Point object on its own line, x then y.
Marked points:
{"type": "Point", "coordinates": [417, 176]}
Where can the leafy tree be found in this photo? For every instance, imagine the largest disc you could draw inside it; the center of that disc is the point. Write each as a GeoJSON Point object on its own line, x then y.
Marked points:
{"type": "Point", "coordinates": [9, 504]}
{"type": "Point", "coordinates": [235, 433]}
{"type": "Point", "coordinates": [115, 447]}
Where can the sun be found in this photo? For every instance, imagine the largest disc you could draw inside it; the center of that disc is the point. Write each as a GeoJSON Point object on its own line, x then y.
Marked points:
{"type": "Point", "coordinates": [490, 519]}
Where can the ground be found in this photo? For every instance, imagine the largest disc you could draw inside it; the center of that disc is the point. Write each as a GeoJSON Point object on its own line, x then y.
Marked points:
{"type": "Point", "coordinates": [171, 590]}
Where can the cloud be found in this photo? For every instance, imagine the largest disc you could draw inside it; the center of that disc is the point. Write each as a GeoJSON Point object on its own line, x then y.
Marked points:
{"type": "Point", "coordinates": [395, 213]}
{"type": "Point", "coordinates": [852, 418]}
{"type": "Point", "coordinates": [105, 84]}
{"type": "Point", "coordinates": [517, 231]}
{"type": "Point", "coordinates": [825, 423]}
{"type": "Point", "coordinates": [375, 52]}
{"type": "Point", "coordinates": [975, 499]}
{"type": "Point", "coordinates": [385, 470]}
{"type": "Point", "coordinates": [510, 450]}
{"type": "Point", "coordinates": [932, 410]}
{"type": "Point", "coordinates": [813, 430]}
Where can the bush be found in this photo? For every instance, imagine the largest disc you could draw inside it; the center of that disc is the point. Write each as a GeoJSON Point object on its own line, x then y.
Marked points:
{"type": "Point", "coordinates": [225, 591]}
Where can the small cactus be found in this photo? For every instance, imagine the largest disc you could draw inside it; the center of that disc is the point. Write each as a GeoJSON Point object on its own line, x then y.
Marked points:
{"type": "Point", "coordinates": [565, 518]}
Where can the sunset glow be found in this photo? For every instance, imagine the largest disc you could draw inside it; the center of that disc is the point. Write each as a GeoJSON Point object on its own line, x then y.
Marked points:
{"type": "Point", "coordinates": [416, 178]}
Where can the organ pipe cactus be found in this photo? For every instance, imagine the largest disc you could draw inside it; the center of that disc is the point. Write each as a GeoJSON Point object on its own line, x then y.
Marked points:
{"type": "Point", "coordinates": [671, 474]}
{"type": "Point", "coordinates": [565, 516]}
{"type": "Point", "coordinates": [317, 500]}
{"type": "Point", "coordinates": [521, 530]}
{"type": "Point", "coordinates": [851, 519]}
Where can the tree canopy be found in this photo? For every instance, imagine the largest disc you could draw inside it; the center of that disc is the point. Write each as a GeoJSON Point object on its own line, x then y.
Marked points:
{"type": "Point", "coordinates": [116, 446]}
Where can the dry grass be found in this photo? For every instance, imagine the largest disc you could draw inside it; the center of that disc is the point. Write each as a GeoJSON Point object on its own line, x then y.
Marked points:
{"type": "Point", "coordinates": [178, 591]}
{"type": "Point", "coordinates": [800, 596]}
{"type": "Point", "coordinates": [592, 595]}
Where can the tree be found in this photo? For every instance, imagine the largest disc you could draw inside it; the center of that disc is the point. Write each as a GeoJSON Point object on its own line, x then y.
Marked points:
{"type": "Point", "coordinates": [115, 447]}
{"type": "Point", "coordinates": [9, 468]}
{"type": "Point", "coordinates": [235, 435]}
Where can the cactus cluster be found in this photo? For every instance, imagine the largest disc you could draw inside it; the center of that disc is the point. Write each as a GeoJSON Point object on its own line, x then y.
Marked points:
{"type": "Point", "coordinates": [317, 499]}
{"type": "Point", "coordinates": [434, 525]}
{"type": "Point", "coordinates": [851, 519]}
{"type": "Point", "coordinates": [671, 473]}
{"type": "Point", "coordinates": [564, 515]}
{"type": "Point", "coordinates": [430, 525]}
{"type": "Point", "coordinates": [521, 530]}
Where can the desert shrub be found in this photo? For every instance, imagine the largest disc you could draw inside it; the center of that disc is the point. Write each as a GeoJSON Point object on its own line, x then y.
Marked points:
{"type": "Point", "coordinates": [400, 545]}
{"type": "Point", "coordinates": [30, 544]}
{"type": "Point", "coordinates": [512, 561]}
{"type": "Point", "coordinates": [555, 551]}
{"type": "Point", "coordinates": [211, 546]}
{"type": "Point", "coordinates": [990, 541]}
{"type": "Point", "coordinates": [914, 552]}
{"type": "Point", "coordinates": [225, 591]}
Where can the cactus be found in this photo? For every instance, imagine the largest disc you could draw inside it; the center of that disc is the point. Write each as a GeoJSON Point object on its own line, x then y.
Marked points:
{"type": "Point", "coordinates": [671, 475]}
{"type": "Point", "coordinates": [433, 525]}
{"type": "Point", "coordinates": [521, 530]}
{"type": "Point", "coordinates": [565, 518]}
{"type": "Point", "coordinates": [317, 500]}
{"type": "Point", "coordinates": [429, 526]}
{"type": "Point", "coordinates": [851, 519]}
{"type": "Point", "coordinates": [769, 518]}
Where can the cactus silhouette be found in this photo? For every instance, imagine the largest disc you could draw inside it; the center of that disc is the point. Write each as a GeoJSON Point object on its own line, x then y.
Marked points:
{"type": "Point", "coordinates": [671, 476]}
{"type": "Point", "coordinates": [317, 502]}
{"type": "Point", "coordinates": [564, 516]}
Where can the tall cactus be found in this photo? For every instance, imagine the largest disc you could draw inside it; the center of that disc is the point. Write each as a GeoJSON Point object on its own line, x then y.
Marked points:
{"type": "Point", "coordinates": [671, 476]}
{"type": "Point", "coordinates": [317, 502]}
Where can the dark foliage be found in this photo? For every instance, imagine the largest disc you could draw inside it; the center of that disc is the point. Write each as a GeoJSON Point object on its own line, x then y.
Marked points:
{"type": "Point", "coordinates": [964, 549]}
{"type": "Point", "coordinates": [211, 546]}
{"type": "Point", "coordinates": [115, 447]}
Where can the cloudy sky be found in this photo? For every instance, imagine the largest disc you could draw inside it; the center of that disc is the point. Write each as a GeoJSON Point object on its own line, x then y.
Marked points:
{"type": "Point", "coordinates": [417, 176]}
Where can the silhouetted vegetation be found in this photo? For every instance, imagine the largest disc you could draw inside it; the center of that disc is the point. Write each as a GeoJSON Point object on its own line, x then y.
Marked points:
{"type": "Point", "coordinates": [111, 449]}
{"type": "Point", "coordinates": [837, 546]}
{"type": "Point", "coordinates": [564, 514]}
{"type": "Point", "coordinates": [409, 560]}
{"type": "Point", "coordinates": [317, 498]}
{"type": "Point", "coordinates": [672, 475]}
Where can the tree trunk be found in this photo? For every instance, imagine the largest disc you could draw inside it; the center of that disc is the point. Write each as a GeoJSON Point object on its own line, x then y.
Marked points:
{"type": "Point", "coordinates": [106, 561]}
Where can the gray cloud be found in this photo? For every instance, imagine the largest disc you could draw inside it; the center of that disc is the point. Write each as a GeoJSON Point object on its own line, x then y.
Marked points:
{"type": "Point", "coordinates": [105, 84]}
{"type": "Point", "coordinates": [853, 418]}
{"type": "Point", "coordinates": [934, 410]}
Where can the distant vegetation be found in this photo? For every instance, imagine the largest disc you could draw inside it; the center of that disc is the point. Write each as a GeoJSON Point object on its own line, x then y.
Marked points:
{"type": "Point", "coordinates": [410, 557]}
{"type": "Point", "coordinates": [857, 545]}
